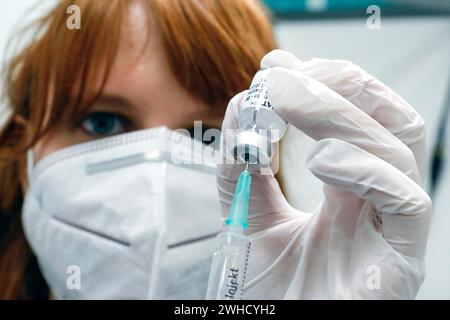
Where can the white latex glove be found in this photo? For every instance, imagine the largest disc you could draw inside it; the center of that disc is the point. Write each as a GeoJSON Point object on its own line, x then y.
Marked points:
{"type": "Point", "coordinates": [367, 239]}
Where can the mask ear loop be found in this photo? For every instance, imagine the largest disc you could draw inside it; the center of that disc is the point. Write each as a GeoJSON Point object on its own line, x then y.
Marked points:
{"type": "Point", "coordinates": [30, 164]}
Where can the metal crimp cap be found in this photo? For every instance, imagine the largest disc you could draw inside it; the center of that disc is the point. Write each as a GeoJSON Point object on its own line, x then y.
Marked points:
{"type": "Point", "coordinates": [251, 147]}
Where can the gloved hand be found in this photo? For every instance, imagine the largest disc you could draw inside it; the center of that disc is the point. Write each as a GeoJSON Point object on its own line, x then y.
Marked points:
{"type": "Point", "coordinates": [367, 239]}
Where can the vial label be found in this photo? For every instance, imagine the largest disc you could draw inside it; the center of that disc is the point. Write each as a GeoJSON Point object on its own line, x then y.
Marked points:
{"type": "Point", "coordinates": [257, 94]}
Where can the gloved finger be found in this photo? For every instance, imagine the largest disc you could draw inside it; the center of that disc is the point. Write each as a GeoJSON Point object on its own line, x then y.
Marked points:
{"type": "Point", "coordinates": [322, 113]}
{"type": "Point", "coordinates": [280, 58]}
{"type": "Point", "coordinates": [405, 208]}
{"type": "Point", "coordinates": [266, 198]}
{"type": "Point", "coordinates": [367, 93]}
{"type": "Point", "coordinates": [231, 118]}
{"type": "Point", "coordinates": [228, 168]}
{"type": "Point", "coordinates": [230, 127]}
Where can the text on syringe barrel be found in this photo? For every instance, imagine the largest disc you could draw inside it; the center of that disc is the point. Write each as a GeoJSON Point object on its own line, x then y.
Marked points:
{"type": "Point", "coordinates": [229, 267]}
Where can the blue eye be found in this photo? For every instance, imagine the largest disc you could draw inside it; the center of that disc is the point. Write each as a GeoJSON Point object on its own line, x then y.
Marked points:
{"type": "Point", "coordinates": [103, 124]}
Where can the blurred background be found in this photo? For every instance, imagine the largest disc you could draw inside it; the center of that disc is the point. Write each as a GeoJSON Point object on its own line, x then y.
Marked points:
{"type": "Point", "coordinates": [404, 43]}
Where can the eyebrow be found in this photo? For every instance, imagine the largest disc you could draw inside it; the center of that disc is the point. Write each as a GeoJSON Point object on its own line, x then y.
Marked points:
{"type": "Point", "coordinates": [114, 101]}
{"type": "Point", "coordinates": [106, 100]}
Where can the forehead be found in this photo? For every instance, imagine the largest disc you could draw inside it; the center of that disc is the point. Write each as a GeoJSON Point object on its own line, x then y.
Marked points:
{"type": "Point", "coordinates": [141, 72]}
{"type": "Point", "coordinates": [139, 39]}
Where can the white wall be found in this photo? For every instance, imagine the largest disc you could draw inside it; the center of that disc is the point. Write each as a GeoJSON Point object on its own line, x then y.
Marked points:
{"type": "Point", "coordinates": [410, 55]}
{"type": "Point", "coordinates": [16, 14]}
{"type": "Point", "coordinates": [13, 15]}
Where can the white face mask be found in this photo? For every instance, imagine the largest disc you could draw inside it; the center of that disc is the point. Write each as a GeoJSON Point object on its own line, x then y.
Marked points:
{"type": "Point", "coordinates": [118, 218]}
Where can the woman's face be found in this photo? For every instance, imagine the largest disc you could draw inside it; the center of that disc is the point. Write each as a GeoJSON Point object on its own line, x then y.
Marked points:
{"type": "Point", "coordinates": [141, 92]}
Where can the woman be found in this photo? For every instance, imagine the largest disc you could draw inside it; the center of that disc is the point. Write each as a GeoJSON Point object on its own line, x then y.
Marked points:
{"type": "Point", "coordinates": [365, 240]}
{"type": "Point", "coordinates": [127, 68]}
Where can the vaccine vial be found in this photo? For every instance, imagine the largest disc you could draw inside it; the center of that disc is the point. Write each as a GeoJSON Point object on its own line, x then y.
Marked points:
{"type": "Point", "coordinates": [261, 126]}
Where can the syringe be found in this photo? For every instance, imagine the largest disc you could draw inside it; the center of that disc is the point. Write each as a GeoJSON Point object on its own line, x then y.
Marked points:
{"type": "Point", "coordinates": [229, 264]}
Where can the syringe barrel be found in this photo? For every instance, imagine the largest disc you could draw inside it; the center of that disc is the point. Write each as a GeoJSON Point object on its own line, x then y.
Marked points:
{"type": "Point", "coordinates": [229, 267]}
